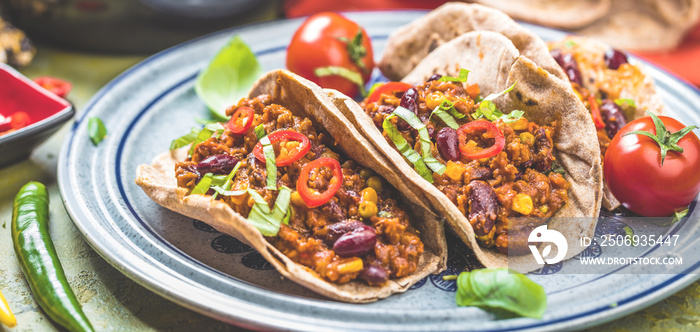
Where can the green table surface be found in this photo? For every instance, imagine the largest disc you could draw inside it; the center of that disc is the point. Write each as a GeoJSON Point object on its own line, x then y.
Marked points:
{"type": "Point", "coordinates": [114, 302]}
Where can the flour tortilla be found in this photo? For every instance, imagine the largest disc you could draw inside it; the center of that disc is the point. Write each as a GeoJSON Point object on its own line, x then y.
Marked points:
{"type": "Point", "coordinates": [305, 99]}
{"type": "Point", "coordinates": [496, 64]}
{"type": "Point", "coordinates": [409, 44]}
{"type": "Point", "coordinates": [642, 25]}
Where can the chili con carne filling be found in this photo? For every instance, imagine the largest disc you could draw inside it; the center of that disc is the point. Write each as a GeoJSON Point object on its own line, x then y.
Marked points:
{"type": "Point", "coordinates": [494, 170]}
{"type": "Point", "coordinates": [360, 231]}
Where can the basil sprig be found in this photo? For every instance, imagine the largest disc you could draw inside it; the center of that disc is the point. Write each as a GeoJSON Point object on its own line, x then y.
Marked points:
{"type": "Point", "coordinates": [222, 190]}
{"type": "Point", "coordinates": [463, 73]}
{"type": "Point", "coordinates": [441, 112]}
{"type": "Point", "coordinates": [270, 163]}
{"type": "Point", "coordinates": [487, 109]}
{"type": "Point", "coordinates": [425, 143]}
{"type": "Point", "coordinates": [403, 147]}
{"type": "Point", "coordinates": [502, 292]}
{"type": "Point", "coordinates": [266, 221]}
{"type": "Point", "coordinates": [228, 77]}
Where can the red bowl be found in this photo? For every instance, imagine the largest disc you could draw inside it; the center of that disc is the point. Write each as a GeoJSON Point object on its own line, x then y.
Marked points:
{"type": "Point", "coordinates": [46, 111]}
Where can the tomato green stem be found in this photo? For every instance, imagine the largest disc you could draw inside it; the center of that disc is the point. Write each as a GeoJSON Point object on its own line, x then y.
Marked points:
{"type": "Point", "coordinates": [666, 140]}
{"type": "Point", "coordinates": [356, 50]}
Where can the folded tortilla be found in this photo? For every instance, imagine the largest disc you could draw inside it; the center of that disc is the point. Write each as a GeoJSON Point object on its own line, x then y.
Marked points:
{"type": "Point", "coordinates": [411, 43]}
{"type": "Point", "coordinates": [496, 64]}
{"type": "Point", "coordinates": [306, 99]}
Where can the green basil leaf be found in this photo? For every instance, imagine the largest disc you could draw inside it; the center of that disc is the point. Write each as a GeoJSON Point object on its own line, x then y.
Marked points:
{"type": "Point", "coordinates": [266, 221]}
{"type": "Point", "coordinates": [629, 234]}
{"type": "Point", "coordinates": [96, 130]}
{"type": "Point", "coordinates": [463, 73]}
{"type": "Point", "coordinates": [425, 142]}
{"type": "Point", "coordinates": [403, 147]}
{"type": "Point", "coordinates": [345, 73]}
{"type": "Point", "coordinates": [499, 290]}
{"type": "Point", "coordinates": [260, 131]}
{"type": "Point", "coordinates": [206, 132]}
{"type": "Point", "coordinates": [203, 186]}
{"type": "Point", "coordinates": [678, 215]}
{"type": "Point", "coordinates": [226, 182]}
{"type": "Point", "coordinates": [448, 119]}
{"type": "Point", "coordinates": [449, 106]}
{"type": "Point", "coordinates": [185, 139]}
{"type": "Point", "coordinates": [228, 77]}
{"type": "Point", "coordinates": [270, 163]}
{"type": "Point", "coordinates": [496, 95]}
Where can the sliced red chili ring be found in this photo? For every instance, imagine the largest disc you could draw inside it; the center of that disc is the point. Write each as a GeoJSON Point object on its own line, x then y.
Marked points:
{"type": "Point", "coordinates": [58, 86]}
{"type": "Point", "coordinates": [387, 88]}
{"type": "Point", "coordinates": [473, 152]}
{"type": "Point", "coordinates": [595, 113]}
{"type": "Point", "coordinates": [283, 136]}
{"type": "Point", "coordinates": [241, 120]}
{"type": "Point", "coordinates": [313, 197]}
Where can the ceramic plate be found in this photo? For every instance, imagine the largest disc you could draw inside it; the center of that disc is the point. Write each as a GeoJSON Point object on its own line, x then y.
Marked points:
{"type": "Point", "coordinates": [192, 264]}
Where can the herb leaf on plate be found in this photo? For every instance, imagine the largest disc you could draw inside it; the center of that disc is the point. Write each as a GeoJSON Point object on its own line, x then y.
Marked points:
{"type": "Point", "coordinates": [96, 130]}
{"type": "Point", "coordinates": [505, 293]}
{"type": "Point", "coordinates": [228, 77]}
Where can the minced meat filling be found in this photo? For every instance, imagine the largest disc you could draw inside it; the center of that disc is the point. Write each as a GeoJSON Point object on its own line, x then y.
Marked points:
{"type": "Point", "coordinates": [518, 181]}
{"type": "Point", "coordinates": [363, 203]}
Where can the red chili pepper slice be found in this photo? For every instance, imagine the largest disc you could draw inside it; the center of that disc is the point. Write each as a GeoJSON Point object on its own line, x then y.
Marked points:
{"type": "Point", "coordinates": [313, 197]}
{"type": "Point", "coordinates": [595, 113]}
{"type": "Point", "coordinates": [15, 121]}
{"type": "Point", "coordinates": [58, 86]}
{"type": "Point", "coordinates": [474, 152]}
{"type": "Point", "coordinates": [241, 120]}
{"type": "Point", "coordinates": [292, 155]}
{"type": "Point", "coordinates": [387, 88]}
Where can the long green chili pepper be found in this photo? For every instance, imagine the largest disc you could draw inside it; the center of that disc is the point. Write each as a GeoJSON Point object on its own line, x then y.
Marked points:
{"type": "Point", "coordinates": [38, 260]}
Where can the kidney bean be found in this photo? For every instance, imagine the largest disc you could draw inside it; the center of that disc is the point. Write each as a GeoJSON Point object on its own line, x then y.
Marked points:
{"type": "Point", "coordinates": [335, 213]}
{"type": "Point", "coordinates": [435, 77]}
{"type": "Point", "coordinates": [479, 173]}
{"type": "Point", "coordinates": [336, 230]}
{"type": "Point", "coordinates": [613, 117]}
{"type": "Point", "coordinates": [568, 64]}
{"type": "Point", "coordinates": [483, 207]}
{"type": "Point", "coordinates": [543, 158]}
{"type": "Point", "coordinates": [374, 275]}
{"type": "Point", "coordinates": [614, 59]}
{"type": "Point", "coordinates": [217, 164]}
{"type": "Point", "coordinates": [356, 243]}
{"type": "Point", "coordinates": [408, 100]}
{"type": "Point", "coordinates": [448, 144]}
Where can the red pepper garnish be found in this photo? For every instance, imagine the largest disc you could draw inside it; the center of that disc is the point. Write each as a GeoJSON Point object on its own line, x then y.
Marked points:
{"type": "Point", "coordinates": [241, 120]}
{"type": "Point", "coordinates": [595, 113]}
{"type": "Point", "coordinates": [58, 86]}
{"type": "Point", "coordinates": [474, 152]}
{"type": "Point", "coordinates": [388, 88]}
{"type": "Point", "coordinates": [313, 197]}
{"type": "Point", "coordinates": [292, 155]}
{"type": "Point", "coordinates": [15, 121]}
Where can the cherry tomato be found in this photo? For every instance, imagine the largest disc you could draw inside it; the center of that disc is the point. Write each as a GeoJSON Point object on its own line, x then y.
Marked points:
{"type": "Point", "coordinates": [292, 155]}
{"type": "Point", "coordinates": [474, 152]}
{"type": "Point", "coordinates": [15, 121]}
{"type": "Point", "coordinates": [331, 40]}
{"type": "Point", "coordinates": [313, 197]}
{"type": "Point", "coordinates": [58, 86]}
{"type": "Point", "coordinates": [241, 120]}
{"type": "Point", "coordinates": [635, 175]}
{"type": "Point", "coordinates": [392, 88]}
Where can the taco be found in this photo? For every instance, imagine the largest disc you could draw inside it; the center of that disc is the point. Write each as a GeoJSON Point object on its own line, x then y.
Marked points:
{"type": "Point", "coordinates": [321, 219]}
{"type": "Point", "coordinates": [614, 90]}
{"type": "Point", "coordinates": [494, 167]}
{"type": "Point", "coordinates": [411, 43]}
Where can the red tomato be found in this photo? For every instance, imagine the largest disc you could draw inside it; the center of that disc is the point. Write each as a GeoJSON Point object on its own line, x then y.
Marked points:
{"type": "Point", "coordinates": [322, 41]}
{"type": "Point", "coordinates": [635, 175]}
{"type": "Point", "coordinates": [58, 86]}
{"type": "Point", "coordinates": [15, 121]}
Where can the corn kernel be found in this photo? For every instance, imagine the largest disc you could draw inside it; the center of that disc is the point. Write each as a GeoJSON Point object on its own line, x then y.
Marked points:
{"type": "Point", "coordinates": [520, 124]}
{"type": "Point", "coordinates": [353, 266]}
{"type": "Point", "coordinates": [522, 203]}
{"type": "Point", "coordinates": [454, 170]}
{"type": "Point", "coordinates": [251, 202]}
{"type": "Point", "coordinates": [239, 200]}
{"type": "Point", "coordinates": [369, 195]}
{"type": "Point", "coordinates": [375, 183]}
{"type": "Point", "coordinates": [296, 199]}
{"type": "Point", "coordinates": [434, 99]}
{"type": "Point", "coordinates": [544, 209]}
{"type": "Point", "coordinates": [527, 138]}
{"type": "Point", "coordinates": [368, 209]}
